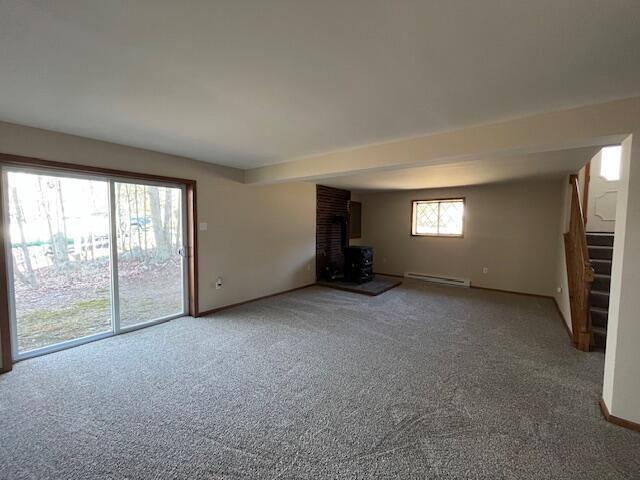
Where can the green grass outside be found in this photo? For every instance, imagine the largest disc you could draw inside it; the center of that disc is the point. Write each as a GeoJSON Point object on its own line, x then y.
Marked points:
{"type": "Point", "coordinates": [41, 315]}
{"type": "Point", "coordinates": [42, 327]}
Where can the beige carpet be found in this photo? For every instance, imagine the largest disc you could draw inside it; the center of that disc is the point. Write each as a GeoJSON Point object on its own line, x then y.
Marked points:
{"type": "Point", "coordinates": [419, 382]}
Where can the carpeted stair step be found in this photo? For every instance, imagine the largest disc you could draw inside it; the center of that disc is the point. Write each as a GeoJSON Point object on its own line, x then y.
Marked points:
{"type": "Point", "coordinates": [600, 239]}
{"type": "Point", "coordinates": [599, 317]}
{"type": "Point", "coordinates": [602, 266]}
{"type": "Point", "coordinates": [599, 337]}
{"type": "Point", "coordinates": [602, 282]}
{"type": "Point", "coordinates": [599, 299]}
{"type": "Point", "coordinates": [600, 253]}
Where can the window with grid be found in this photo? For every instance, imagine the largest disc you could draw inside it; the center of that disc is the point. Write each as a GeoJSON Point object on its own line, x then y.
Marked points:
{"type": "Point", "coordinates": [438, 217]}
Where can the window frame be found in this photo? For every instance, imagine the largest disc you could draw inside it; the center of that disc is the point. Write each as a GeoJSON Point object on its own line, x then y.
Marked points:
{"type": "Point", "coordinates": [439, 200]}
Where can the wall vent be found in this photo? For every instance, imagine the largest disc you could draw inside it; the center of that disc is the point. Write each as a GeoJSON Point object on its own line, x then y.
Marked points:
{"type": "Point", "coordinates": [460, 282]}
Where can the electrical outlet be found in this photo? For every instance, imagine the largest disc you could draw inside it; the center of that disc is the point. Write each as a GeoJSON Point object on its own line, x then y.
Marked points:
{"type": "Point", "coordinates": [384, 259]}
{"type": "Point", "coordinates": [485, 270]}
{"type": "Point", "coordinates": [204, 226]}
{"type": "Point", "coordinates": [219, 283]}
{"type": "Point", "coordinates": [559, 289]}
{"type": "Point", "coordinates": [308, 267]}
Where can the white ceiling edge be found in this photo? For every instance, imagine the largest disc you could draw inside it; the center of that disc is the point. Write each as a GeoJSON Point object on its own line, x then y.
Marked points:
{"type": "Point", "coordinates": [466, 173]}
{"type": "Point", "coordinates": [421, 135]}
{"type": "Point", "coordinates": [444, 174]}
{"type": "Point", "coordinates": [595, 125]}
{"type": "Point", "coordinates": [28, 141]}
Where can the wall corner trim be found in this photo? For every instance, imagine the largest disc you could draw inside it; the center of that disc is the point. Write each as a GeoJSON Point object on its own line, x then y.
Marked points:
{"type": "Point", "coordinates": [621, 422]}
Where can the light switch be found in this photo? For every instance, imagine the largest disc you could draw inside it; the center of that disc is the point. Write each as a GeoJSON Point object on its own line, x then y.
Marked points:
{"type": "Point", "coordinates": [204, 226]}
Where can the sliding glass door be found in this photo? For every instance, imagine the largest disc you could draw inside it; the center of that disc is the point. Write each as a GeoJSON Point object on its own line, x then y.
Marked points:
{"type": "Point", "coordinates": [149, 239]}
{"type": "Point", "coordinates": [89, 256]}
{"type": "Point", "coordinates": [60, 259]}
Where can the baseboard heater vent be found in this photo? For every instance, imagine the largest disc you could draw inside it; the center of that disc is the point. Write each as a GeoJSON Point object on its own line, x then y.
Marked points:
{"type": "Point", "coordinates": [460, 282]}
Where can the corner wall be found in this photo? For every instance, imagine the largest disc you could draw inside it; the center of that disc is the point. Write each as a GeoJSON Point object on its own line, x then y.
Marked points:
{"type": "Point", "coordinates": [621, 388]}
{"type": "Point", "coordinates": [511, 228]}
{"type": "Point", "coordinates": [562, 280]}
{"type": "Point", "coordinates": [260, 239]}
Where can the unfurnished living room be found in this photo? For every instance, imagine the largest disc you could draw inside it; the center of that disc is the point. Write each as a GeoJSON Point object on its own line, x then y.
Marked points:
{"type": "Point", "coordinates": [291, 239]}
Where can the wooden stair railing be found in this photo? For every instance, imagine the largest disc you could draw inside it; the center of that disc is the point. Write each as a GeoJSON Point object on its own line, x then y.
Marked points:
{"type": "Point", "coordinates": [579, 271]}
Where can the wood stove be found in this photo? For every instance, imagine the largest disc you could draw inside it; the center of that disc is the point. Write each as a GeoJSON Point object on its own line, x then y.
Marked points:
{"type": "Point", "coordinates": [358, 264]}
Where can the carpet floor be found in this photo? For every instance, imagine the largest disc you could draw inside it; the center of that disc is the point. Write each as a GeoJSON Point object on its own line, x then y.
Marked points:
{"type": "Point", "coordinates": [420, 382]}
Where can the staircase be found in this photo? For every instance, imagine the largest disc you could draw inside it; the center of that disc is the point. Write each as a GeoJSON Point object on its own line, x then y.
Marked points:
{"type": "Point", "coordinates": [600, 254]}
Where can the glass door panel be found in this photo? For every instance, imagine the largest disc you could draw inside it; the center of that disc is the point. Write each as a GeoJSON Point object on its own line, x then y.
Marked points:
{"type": "Point", "coordinates": [149, 233]}
{"type": "Point", "coordinates": [60, 269]}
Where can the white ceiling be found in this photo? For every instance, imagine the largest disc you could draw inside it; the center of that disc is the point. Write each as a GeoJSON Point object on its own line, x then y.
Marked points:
{"type": "Point", "coordinates": [253, 82]}
{"type": "Point", "coordinates": [471, 172]}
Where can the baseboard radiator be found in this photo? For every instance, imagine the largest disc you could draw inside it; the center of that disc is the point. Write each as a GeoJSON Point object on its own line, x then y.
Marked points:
{"type": "Point", "coordinates": [459, 282]}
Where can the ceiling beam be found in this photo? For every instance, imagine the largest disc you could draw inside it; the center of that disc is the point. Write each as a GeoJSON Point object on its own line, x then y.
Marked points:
{"type": "Point", "coordinates": [594, 125]}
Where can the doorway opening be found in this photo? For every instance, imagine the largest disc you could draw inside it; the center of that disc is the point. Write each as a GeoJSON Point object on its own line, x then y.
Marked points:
{"type": "Point", "coordinates": [601, 177]}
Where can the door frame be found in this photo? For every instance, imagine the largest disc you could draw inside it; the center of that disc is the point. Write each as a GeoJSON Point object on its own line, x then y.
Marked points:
{"type": "Point", "coordinates": [107, 174]}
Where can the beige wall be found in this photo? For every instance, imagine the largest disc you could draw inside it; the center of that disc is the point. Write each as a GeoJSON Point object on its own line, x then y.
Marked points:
{"type": "Point", "coordinates": [261, 239]}
{"type": "Point", "coordinates": [621, 387]}
{"type": "Point", "coordinates": [511, 228]}
{"type": "Point", "coordinates": [562, 281]}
